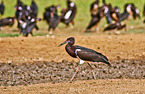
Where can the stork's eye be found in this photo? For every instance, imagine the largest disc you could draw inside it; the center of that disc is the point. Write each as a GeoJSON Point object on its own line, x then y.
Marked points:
{"type": "Point", "coordinates": [68, 41]}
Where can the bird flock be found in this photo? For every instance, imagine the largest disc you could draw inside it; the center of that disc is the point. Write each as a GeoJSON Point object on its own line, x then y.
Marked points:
{"type": "Point", "coordinates": [115, 19]}
{"type": "Point", "coordinates": [27, 19]}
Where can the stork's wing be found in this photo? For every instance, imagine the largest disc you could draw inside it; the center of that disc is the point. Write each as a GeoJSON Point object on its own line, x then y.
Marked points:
{"type": "Point", "coordinates": [123, 16]}
{"type": "Point", "coordinates": [90, 55]}
{"type": "Point", "coordinates": [94, 21]}
{"type": "Point", "coordinates": [110, 27]}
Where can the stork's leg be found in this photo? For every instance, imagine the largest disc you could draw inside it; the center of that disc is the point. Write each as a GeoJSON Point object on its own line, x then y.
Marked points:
{"type": "Point", "coordinates": [75, 73]}
{"type": "Point", "coordinates": [92, 70]}
{"type": "Point", "coordinates": [72, 24]}
{"type": "Point", "coordinates": [125, 29]}
{"type": "Point", "coordinates": [36, 27]}
{"type": "Point", "coordinates": [97, 28]}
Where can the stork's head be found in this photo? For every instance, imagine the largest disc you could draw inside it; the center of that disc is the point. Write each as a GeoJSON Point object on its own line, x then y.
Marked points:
{"type": "Point", "coordinates": [70, 40]}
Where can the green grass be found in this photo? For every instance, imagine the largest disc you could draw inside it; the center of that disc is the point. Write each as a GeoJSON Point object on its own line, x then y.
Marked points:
{"type": "Point", "coordinates": [8, 35]}
{"type": "Point", "coordinates": [83, 15]}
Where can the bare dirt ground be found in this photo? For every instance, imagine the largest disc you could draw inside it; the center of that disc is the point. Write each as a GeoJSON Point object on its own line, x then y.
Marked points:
{"type": "Point", "coordinates": [20, 50]}
{"type": "Point", "coordinates": [123, 86]}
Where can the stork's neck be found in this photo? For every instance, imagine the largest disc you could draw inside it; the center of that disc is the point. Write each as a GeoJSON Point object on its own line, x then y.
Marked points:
{"type": "Point", "coordinates": [70, 49]}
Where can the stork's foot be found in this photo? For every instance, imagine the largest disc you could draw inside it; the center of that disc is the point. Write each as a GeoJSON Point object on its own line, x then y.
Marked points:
{"type": "Point", "coordinates": [88, 30]}
{"type": "Point", "coordinates": [70, 81]}
{"type": "Point", "coordinates": [50, 32]}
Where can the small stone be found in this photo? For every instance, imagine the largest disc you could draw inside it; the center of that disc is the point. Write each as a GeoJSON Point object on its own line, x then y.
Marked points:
{"type": "Point", "coordinates": [52, 36]}
{"type": "Point", "coordinates": [117, 32]}
{"type": "Point", "coordinates": [131, 27]}
{"type": "Point", "coordinates": [47, 35]}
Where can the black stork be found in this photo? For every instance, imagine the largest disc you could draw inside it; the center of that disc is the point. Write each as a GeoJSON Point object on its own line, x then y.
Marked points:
{"type": "Point", "coordinates": [2, 8]}
{"type": "Point", "coordinates": [128, 10]}
{"type": "Point", "coordinates": [144, 13]}
{"type": "Point", "coordinates": [9, 21]}
{"type": "Point", "coordinates": [68, 15]}
{"type": "Point", "coordinates": [84, 54]}
{"type": "Point", "coordinates": [34, 8]}
{"type": "Point", "coordinates": [135, 12]}
{"type": "Point", "coordinates": [94, 7]}
{"type": "Point", "coordinates": [97, 17]}
{"type": "Point", "coordinates": [52, 17]}
{"type": "Point", "coordinates": [117, 26]}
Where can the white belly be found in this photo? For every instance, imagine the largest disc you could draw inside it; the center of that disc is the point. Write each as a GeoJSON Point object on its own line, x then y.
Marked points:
{"type": "Point", "coordinates": [67, 15]}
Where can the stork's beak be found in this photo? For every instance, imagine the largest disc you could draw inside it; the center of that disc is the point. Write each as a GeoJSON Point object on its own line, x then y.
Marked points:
{"type": "Point", "coordinates": [62, 44]}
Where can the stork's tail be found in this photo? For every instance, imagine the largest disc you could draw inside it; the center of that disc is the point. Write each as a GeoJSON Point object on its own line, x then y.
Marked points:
{"type": "Point", "coordinates": [107, 62]}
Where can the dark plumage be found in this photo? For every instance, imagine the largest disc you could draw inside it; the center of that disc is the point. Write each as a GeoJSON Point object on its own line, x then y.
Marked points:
{"type": "Point", "coordinates": [112, 14]}
{"type": "Point", "coordinates": [67, 15]}
{"type": "Point", "coordinates": [94, 7]}
{"type": "Point", "coordinates": [84, 54]}
{"type": "Point", "coordinates": [119, 18]}
{"type": "Point", "coordinates": [2, 8]}
{"type": "Point", "coordinates": [91, 55]}
{"type": "Point", "coordinates": [34, 8]}
{"type": "Point", "coordinates": [117, 26]}
{"type": "Point", "coordinates": [27, 26]}
{"type": "Point", "coordinates": [94, 21]}
{"type": "Point", "coordinates": [24, 14]}
{"type": "Point", "coordinates": [51, 16]}
{"type": "Point", "coordinates": [135, 12]}
{"type": "Point", "coordinates": [34, 12]}
{"type": "Point", "coordinates": [108, 14]}
{"type": "Point", "coordinates": [19, 14]}
{"type": "Point", "coordinates": [144, 13]}
{"type": "Point", "coordinates": [97, 17]}
{"type": "Point", "coordinates": [9, 21]}
{"type": "Point", "coordinates": [123, 16]}
{"type": "Point", "coordinates": [115, 12]}
{"type": "Point", "coordinates": [128, 10]}
{"type": "Point", "coordinates": [19, 3]}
